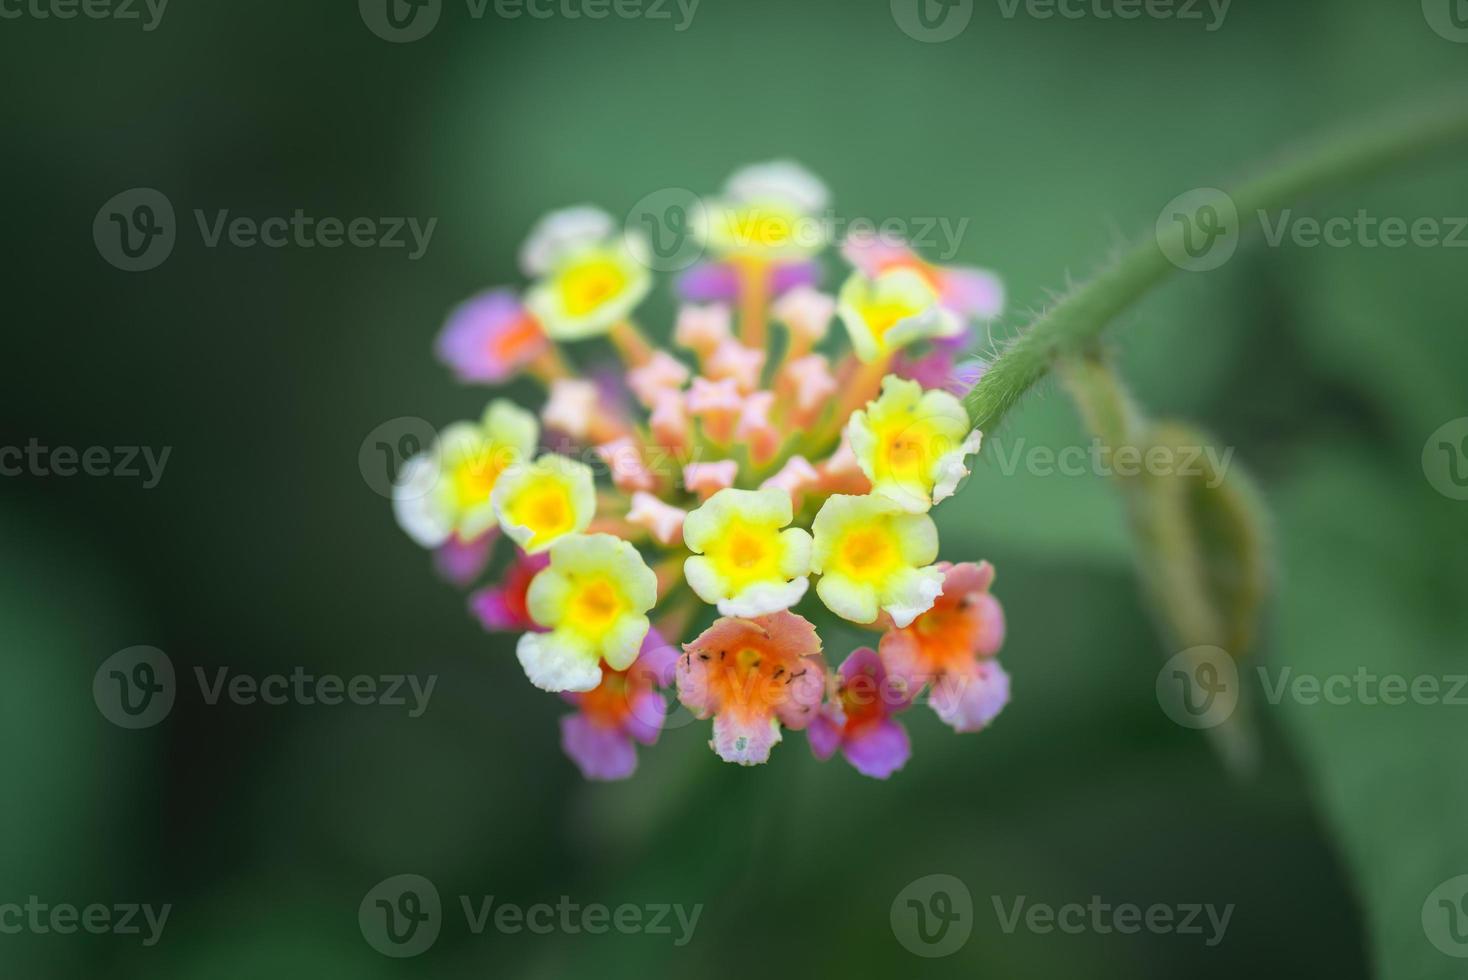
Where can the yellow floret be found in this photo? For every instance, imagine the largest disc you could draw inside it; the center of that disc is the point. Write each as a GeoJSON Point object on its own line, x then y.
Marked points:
{"type": "Point", "coordinates": [593, 598]}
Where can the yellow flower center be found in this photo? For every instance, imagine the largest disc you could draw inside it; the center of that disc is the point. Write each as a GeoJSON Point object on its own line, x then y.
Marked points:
{"type": "Point", "coordinates": [474, 477]}
{"type": "Point", "coordinates": [747, 553]}
{"type": "Point", "coordinates": [883, 316]}
{"type": "Point", "coordinates": [747, 659]}
{"type": "Point", "coordinates": [869, 554]}
{"type": "Point", "coordinates": [588, 284]}
{"type": "Point", "coordinates": [595, 606]}
{"type": "Point", "coordinates": [545, 507]}
{"type": "Point", "coordinates": [908, 449]}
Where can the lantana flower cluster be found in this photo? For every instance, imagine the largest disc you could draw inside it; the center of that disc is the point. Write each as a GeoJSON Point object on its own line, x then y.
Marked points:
{"type": "Point", "coordinates": [677, 521]}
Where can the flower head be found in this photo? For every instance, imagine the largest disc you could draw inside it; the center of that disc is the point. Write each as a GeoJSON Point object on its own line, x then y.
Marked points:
{"type": "Point", "coordinates": [590, 280]}
{"type": "Point", "coordinates": [593, 600]}
{"type": "Point", "coordinates": [858, 720]}
{"type": "Point", "coordinates": [912, 444]}
{"type": "Point", "coordinates": [760, 457]}
{"type": "Point", "coordinates": [891, 310]}
{"type": "Point", "coordinates": [752, 676]}
{"type": "Point", "coordinates": [446, 490]}
{"type": "Point", "coordinates": [875, 557]}
{"type": "Point", "coordinates": [539, 503]}
{"type": "Point", "coordinates": [747, 560]}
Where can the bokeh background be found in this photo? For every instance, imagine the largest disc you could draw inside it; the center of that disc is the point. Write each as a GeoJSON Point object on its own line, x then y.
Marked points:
{"type": "Point", "coordinates": [264, 548]}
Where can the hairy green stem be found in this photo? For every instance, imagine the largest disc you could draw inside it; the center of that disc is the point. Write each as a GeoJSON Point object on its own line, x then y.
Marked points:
{"type": "Point", "coordinates": [1080, 316]}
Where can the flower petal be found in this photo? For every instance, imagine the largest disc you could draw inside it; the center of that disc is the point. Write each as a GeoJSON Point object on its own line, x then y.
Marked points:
{"type": "Point", "coordinates": [969, 701]}
{"type": "Point", "coordinates": [878, 749]}
{"type": "Point", "coordinates": [745, 740]}
{"type": "Point", "coordinates": [557, 662]}
{"type": "Point", "coordinates": [420, 511]}
{"type": "Point", "coordinates": [763, 598]}
{"type": "Point", "coordinates": [600, 752]}
{"type": "Point", "coordinates": [562, 233]}
{"type": "Point", "coordinates": [911, 593]}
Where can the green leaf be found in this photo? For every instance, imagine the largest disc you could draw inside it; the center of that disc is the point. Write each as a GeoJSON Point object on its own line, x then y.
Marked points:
{"type": "Point", "coordinates": [1389, 777]}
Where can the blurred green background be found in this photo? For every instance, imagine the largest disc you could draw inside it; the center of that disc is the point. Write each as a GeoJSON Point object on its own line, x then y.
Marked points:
{"type": "Point", "coordinates": [264, 549]}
